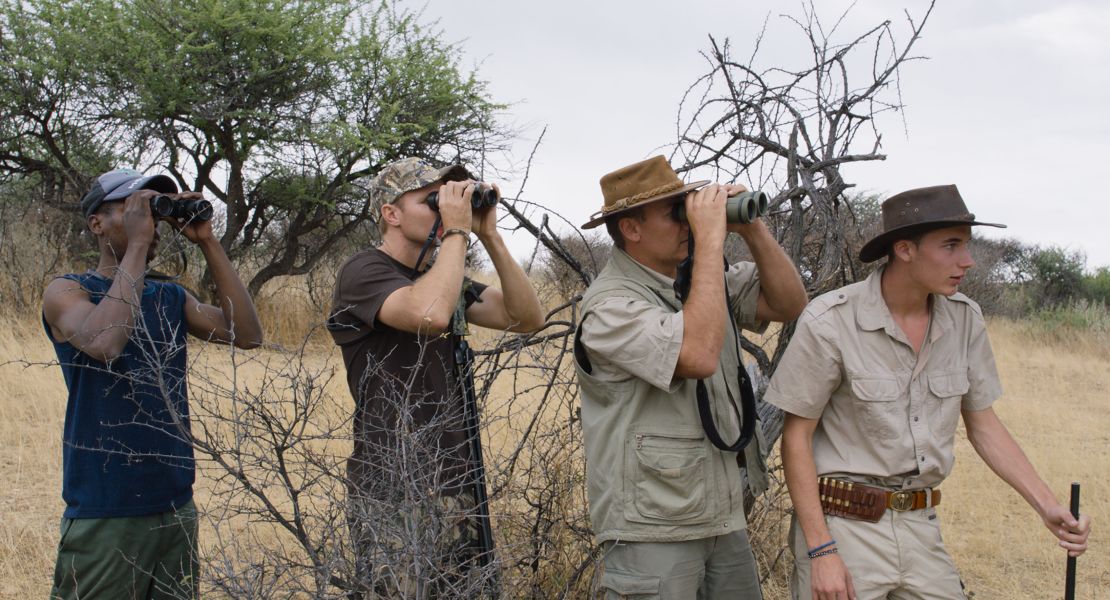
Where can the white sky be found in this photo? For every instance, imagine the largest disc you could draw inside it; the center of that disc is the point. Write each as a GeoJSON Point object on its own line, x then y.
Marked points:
{"type": "Point", "coordinates": [1010, 106]}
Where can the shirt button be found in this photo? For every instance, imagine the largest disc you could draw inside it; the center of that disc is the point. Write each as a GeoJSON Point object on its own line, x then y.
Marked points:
{"type": "Point", "coordinates": [915, 419]}
{"type": "Point", "coordinates": [726, 523]}
{"type": "Point", "coordinates": [922, 459]}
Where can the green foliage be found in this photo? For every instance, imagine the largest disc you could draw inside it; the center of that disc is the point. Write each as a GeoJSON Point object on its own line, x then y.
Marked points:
{"type": "Point", "coordinates": [1058, 274]}
{"type": "Point", "coordinates": [1098, 286]}
{"type": "Point", "coordinates": [236, 97]}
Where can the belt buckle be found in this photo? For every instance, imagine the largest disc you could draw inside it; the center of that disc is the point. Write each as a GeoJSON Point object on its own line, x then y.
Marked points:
{"type": "Point", "coordinates": [901, 501]}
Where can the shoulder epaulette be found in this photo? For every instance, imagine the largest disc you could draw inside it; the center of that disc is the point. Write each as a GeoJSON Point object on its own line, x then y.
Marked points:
{"type": "Point", "coordinates": [821, 304]}
{"type": "Point", "coordinates": [963, 299]}
{"type": "Point", "coordinates": [615, 287]}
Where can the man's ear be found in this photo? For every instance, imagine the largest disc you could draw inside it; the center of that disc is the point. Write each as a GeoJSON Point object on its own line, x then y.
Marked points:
{"type": "Point", "coordinates": [904, 250]}
{"type": "Point", "coordinates": [94, 223]}
{"type": "Point", "coordinates": [630, 229]}
{"type": "Point", "coordinates": [391, 214]}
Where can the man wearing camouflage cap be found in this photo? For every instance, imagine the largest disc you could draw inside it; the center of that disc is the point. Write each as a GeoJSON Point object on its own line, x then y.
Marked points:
{"type": "Point", "coordinates": [393, 317]}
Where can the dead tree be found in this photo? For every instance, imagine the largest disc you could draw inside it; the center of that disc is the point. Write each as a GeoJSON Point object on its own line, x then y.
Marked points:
{"type": "Point", "coordinates": [791, 131]}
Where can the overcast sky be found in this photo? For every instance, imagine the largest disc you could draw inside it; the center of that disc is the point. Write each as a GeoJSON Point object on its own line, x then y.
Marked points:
{"type": "Point", "coordinates": [1011, 105]}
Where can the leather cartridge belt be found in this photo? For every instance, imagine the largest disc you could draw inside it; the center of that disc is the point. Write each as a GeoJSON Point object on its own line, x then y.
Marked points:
{"type": "Point", "coordinates": [868, 503]}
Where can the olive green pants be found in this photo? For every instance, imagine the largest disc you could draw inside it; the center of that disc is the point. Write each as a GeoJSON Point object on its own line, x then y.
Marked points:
{"type": "Point", "coordinates": [128, 558]}
{"type": "Point", "coordinates": [706, 569]}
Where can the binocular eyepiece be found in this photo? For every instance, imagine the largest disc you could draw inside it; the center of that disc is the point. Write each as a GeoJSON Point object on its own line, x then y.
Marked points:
{"type": "Point", "coordinates": [484, 196]}
{"type": "Point", "coordinates": [185, 210]}
{"type": "Point", "coordinates": [744, 207]}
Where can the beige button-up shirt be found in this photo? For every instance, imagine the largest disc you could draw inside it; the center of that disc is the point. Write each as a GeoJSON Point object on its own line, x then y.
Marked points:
{"type": "Point", "coordinates": [888, 415]}
{"type": "Point", "coordinates": [628, 337]}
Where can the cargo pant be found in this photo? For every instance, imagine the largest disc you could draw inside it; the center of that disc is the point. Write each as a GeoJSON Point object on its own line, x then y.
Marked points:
{"type": "Point", "coordinates": [902, 557]}
{"type": "Point", "coordinates": [128, 558]}
{"type": "Point", "coordinates": [706, 569]}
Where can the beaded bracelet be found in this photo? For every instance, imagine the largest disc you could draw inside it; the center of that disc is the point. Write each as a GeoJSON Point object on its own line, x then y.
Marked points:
{"type": "Point", "coordinates": [824, 552]}
{"type": "Point", "coordinates": [456, 230]}
{"type": "Point", "coordinates": [817, 549]}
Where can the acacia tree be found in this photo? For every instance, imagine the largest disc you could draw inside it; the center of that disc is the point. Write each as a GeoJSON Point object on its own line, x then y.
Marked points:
{"type": "Point", "coordinates": [280, 110]}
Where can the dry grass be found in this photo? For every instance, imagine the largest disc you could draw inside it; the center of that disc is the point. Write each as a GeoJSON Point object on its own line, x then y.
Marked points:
{"type": "Point", "coordinates": [1055, 404]}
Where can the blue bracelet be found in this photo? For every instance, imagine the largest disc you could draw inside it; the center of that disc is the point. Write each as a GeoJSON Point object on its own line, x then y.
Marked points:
{"type": "Point", "coordinates": [813, 551]}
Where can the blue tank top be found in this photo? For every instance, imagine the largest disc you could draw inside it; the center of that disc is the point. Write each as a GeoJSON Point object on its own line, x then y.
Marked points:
{"type": "Point", "coordinates": [125, 443]}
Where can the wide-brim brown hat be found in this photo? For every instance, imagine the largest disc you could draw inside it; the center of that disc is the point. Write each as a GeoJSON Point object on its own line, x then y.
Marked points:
{"type": "Point", "coordinates": [916, 211]}
{"type": "Point", "coordinates": [638, 184]}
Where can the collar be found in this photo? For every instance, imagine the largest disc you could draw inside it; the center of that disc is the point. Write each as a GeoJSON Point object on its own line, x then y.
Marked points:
{"type": "Point", "coordinates": [873, 314]}
{"type": "Point", "coordinates": [628, 267]}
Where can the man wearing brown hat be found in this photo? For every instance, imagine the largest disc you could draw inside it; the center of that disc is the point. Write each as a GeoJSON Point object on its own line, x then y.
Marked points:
{"type": "Point", "coordinates": [666, 503]}
{"type": "Point", "coordinates": [873, 384]}
{"type": "Point", "coordinates": [397, 321]}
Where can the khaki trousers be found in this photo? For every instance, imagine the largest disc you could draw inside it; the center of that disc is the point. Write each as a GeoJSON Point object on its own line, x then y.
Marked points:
{"type": "Point", "coordinates": [706, 569]}
{"type": "Point", "coordinates": [902, 557]}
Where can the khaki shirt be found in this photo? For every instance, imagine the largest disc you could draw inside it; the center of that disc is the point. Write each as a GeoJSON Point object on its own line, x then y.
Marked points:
{"type": "Point", "coordinates": [631, 338]}
{"type": "Point", "coordinates": [651, 474]}
{"type": "Point", "coordinates": [887, 415]}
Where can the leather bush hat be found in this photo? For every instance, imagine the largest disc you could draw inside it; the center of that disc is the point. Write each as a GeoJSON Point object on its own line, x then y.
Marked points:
{"type": "Point", "coordinates": [636, 185]}
{"type": "Point", "coordinates": [118, 184]}
{"type": "Point", "coordinates": [916, 211]}
{"type": "Point", "coordinates": [409, 174]}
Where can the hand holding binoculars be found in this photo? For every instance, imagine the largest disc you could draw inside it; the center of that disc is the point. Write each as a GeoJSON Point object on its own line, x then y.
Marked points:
{"type": "Point", "coordinates": [744, 207]}
{"type": "Point", "coordinates": [185, 210]}
{"type": "Point", "coordinates": [484, 196]}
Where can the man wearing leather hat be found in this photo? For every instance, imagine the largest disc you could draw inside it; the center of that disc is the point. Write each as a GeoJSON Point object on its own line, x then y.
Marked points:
{"type": "Point", "coordinates": [666, 502]}
{"type": "Point", "coordinates": [873, 384]}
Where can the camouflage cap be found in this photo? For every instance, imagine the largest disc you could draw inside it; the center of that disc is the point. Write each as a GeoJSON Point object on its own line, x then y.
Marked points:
{"type": "Point", "coordinates": [409, 174]}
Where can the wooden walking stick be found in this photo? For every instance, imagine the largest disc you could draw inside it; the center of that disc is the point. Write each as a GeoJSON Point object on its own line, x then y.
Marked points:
{"type": "Point", "coordinates": [1069, 579]}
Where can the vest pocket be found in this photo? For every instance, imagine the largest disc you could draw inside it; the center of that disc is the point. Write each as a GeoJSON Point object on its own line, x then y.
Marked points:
{"type": "Point", "coordinates": [668, 477]}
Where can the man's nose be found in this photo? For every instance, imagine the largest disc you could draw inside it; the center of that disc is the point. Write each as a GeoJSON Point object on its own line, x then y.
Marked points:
{"type": "Point", "coordinates": [966, 260]}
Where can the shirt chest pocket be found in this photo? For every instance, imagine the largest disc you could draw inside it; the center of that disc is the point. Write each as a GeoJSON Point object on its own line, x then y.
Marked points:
{"type": "Point", "coordinates": [667, 478]}
{"type": "Point", "coordinates": [879, 412]}
{"type": "Point", "coordinates": [947, 389]}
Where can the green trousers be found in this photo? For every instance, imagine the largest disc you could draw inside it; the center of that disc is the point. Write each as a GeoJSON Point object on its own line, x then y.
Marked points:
{"type": "Point", "coordinates": [128, 558]}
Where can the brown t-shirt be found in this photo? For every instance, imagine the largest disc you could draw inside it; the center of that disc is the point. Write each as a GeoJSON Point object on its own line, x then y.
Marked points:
{"type": "Point", "coordinates": [400, 381]}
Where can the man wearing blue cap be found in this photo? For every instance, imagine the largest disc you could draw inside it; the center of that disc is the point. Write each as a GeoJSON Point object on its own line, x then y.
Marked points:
{"type": "Point", "coordinates": [129, 527]}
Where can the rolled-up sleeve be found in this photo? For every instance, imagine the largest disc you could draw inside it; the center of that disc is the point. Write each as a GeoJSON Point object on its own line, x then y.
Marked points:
{"type": "Point", "coordinates": [743, 289]}
{"type": "Point", "coordinates": [636, 337]}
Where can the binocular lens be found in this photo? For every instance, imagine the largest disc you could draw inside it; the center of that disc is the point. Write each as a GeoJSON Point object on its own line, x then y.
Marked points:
{"type": "Point", "coordinates": [186, 210]}
{"type": "Point", "coordinates": [744, 207]}
{"type": "Point", "coordinates": [484, 196]}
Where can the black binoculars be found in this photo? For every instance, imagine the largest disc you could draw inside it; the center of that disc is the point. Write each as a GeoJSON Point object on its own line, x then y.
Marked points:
{"type": "Point", "coordinates": [185, 210]}
{"type": "Point", "coordinates": [744, 207]}
{"type": "Point", "coordinates": [484, 196]}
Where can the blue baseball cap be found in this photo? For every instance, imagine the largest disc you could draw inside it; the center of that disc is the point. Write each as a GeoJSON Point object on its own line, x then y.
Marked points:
{"type": "Point", "coordinates": [119, 184]}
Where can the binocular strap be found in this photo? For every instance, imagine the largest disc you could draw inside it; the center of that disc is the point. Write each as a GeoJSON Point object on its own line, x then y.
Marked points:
{"type": "Point", "coordinates": [746, 413]}
{"type": "Point", "coordinates": [431, 240]}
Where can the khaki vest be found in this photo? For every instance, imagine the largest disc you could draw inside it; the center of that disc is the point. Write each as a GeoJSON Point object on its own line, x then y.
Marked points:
{"type": "Point", "coordinates": [651, 473]}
